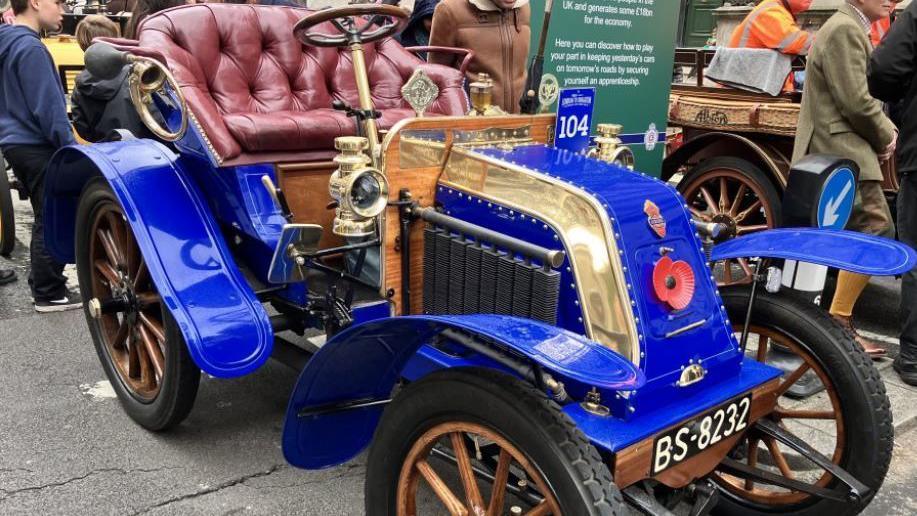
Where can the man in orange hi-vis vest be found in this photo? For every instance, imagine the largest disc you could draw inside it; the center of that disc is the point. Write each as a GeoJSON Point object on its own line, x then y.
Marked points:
{"type": "Point", "coordinates": [878, 30]}
{"type": "Point", "coordinates": [772, 24]}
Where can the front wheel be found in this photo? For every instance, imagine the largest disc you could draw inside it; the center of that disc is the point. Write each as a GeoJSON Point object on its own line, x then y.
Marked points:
{"type": "Point", "coordinates": [849, 421]}
{"type": "Point", "coordinates": [139, 344]}
{"type": "Point", "coordinates": [445, 437]}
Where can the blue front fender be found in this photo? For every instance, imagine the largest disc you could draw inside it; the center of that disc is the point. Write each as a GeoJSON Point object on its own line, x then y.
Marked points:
{"type": "Point", "coordinates": [365, 361]}
{"type": "Point", "coordinates": [847, 250]}
{"type": "Point", "coordinates": [226, 328]}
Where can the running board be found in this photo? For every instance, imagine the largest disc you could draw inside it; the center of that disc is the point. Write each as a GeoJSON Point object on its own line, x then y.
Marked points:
{"type": "Point", "coordinates": [856, 490]}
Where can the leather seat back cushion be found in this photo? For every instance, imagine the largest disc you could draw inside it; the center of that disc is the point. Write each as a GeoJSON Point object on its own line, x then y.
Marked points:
{"type": "Point", "coordinates": [254, 88]}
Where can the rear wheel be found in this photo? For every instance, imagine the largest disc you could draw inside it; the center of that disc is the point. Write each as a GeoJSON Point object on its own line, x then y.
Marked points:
{"type": "Point", "coordinates": [736, 193]}
{"type": "Point", "coordinates": [483, 442]}
{"type": "Point", "coordinates": [7, 217]}
{"type": "Point", "coordinates": [141, 347]}
{"type": "Point", "coordinates": [849, 421]}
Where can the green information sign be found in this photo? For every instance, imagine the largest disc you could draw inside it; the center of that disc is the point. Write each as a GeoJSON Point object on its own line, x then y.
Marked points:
{"type": "Point", "coordinates": [625, 49]}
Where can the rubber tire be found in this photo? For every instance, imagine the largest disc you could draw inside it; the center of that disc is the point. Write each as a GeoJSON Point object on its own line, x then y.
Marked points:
{"type": "Point", "coordinates": [516, 410]}
{"type": "Point", "coordinates": [865, 406]}
{"type": "Point", "coordinates": [747, 169]}
{"type": "Point", "coordinates": [181, 376]}
{"type": "Point", "coordinates": [7, 216]}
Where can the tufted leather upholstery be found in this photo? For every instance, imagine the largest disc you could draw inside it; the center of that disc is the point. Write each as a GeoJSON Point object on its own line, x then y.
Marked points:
{"type": "Point", "coordinates": [255, 89]}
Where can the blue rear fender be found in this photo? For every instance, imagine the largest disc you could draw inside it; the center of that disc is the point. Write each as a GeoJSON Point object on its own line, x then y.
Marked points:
{"type": "Point", "coordinates": [224, 325]}
{"type": "Point", "coordinates": [365, 361]}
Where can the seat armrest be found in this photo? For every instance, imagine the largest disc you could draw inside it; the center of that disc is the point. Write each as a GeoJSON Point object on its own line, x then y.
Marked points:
{"type": "Point", "coordinates": [469, 54]}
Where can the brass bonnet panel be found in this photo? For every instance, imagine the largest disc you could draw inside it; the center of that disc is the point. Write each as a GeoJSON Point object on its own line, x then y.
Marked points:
{"type": "Point", "coordinates": [583, 226]}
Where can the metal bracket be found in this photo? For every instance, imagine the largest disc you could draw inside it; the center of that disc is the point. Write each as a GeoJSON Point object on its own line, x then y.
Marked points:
{"type": "Point", "coordinates": [320, 410]}
{"type": "Point", "coordinates": [858, 490]}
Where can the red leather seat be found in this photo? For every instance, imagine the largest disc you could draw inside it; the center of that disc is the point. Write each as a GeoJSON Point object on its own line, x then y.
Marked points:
{"type": "Point", "coordinates": [253, 88]}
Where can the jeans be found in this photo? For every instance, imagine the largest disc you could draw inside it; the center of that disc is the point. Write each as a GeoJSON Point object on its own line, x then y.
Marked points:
{"type": "Point", "coordinates": [46, 277]}
{"type": "Point", "coordinates": [907, 233]}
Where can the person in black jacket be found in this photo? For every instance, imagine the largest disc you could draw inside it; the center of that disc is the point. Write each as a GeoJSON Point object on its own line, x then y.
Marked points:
{"type": "Point", "coordinates": [891, 78]}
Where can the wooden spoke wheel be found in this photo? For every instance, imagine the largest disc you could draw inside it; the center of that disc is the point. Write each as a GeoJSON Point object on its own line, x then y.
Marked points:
{"type": "Point", "coordinates": [821, 414]}
{"type": "Point", "coordinates": [848, 420]}
{"type": "Point", "coordinates": [455, 437]}
{"type": "Point", "coordinates": [140, 346]}
{"type": "Point", "coordinates": [131, 324]}
{"type": "Point", "coordinates": [7, 216]}
{"type": "Point", "coordinates": [735, 193]}
{"type": "Point", "coordinates": [441, 449]}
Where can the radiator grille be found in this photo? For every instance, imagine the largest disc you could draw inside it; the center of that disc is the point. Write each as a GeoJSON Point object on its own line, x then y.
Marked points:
{"type": "Point", "coordinates": [463, 276]}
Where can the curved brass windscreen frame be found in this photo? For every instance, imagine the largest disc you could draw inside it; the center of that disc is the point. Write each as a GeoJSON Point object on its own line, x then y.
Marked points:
{"type": "Point", "coordinates": [583, 226]}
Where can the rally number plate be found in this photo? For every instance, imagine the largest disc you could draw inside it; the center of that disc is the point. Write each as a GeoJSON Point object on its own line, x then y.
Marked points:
{"type": "Point", "coordinates": [700, 433]}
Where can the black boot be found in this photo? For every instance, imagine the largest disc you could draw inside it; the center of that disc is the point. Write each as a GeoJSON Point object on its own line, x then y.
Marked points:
{"type": "Point", "coordinates": [907, 371]}
{"type": "Point", "coordinates": [7, 276]}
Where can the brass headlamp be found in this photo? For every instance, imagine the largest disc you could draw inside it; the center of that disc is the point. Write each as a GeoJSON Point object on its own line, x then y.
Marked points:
{"type": "Point", "coordinates": [360, 191]}
{"type": "Point", "coordinates": [609, 147]}
{"type": "Point", "coordinates": [482, 97]}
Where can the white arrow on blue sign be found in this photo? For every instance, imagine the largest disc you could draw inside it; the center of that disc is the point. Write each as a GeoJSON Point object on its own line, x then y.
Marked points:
{"type": "Point", "coordinates": [836, 200]}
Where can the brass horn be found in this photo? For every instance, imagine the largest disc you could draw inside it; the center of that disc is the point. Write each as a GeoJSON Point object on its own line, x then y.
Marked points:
{"type": "Point", "coordinates": [147, 77]}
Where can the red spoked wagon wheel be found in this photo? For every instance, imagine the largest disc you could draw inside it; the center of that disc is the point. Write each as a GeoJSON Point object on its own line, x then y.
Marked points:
{"type": "Point", "coordinates": [849, 421]}
{"type": "Point", "coordinates": [735, 193]}
{"type": "Point", "coordinates": [480, 442]}
{"type": "Point", "coordinates": [140, 346]}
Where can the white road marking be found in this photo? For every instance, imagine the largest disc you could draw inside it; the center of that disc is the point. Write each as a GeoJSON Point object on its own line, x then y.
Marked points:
{"type": "Point", "coordinates": [318, 340]}
{"type": "Point", "coordinates": [100, 390]}
{"type": "Point", "coordinates": [878, 336]}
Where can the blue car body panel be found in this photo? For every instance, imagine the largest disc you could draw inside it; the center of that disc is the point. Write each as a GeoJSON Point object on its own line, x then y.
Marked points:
{"type": "Point", "coordinates": [848, 250]}
{"type": "Point", "coordinates": [614, 434]}
{"type": "Point", "coordinates": [225, 326]}
{"type": "Point", "coordinates": [365, 361]}
{"type": "Point", "coordinates": [622, 193]}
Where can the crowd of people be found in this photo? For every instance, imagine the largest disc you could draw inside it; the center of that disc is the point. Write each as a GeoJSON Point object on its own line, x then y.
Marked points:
{"type": "Point", "coordinates": [856, 101]}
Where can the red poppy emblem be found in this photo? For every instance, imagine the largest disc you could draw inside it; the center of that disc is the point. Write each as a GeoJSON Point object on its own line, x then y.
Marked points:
{"type": "Point", "coordinates": [655, 219]}
{"type": "Point", "coordinates": [673, 282]}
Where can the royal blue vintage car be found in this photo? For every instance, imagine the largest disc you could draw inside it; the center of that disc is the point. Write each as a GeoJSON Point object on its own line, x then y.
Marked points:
{"type": "Point", "coordinates": [510, 327]}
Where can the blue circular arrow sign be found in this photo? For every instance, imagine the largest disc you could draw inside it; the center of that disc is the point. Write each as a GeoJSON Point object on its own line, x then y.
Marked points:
{"type": "Point", "coordinates": [836, 200]}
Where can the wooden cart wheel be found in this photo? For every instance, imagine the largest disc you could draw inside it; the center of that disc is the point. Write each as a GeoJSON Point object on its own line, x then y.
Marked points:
{"type": "Point", "coordinates": [455, 437]}
{"type": "Point", "coordinates": [7, 216]}
{"type": "Point", "coordinates": [140, 346]}
{"type": "Point", "coordinates": [440, 448]}
{"type": "Point", "coordinates": [736, 193]}
{"type": "Point", "coordinates": [848, 422]}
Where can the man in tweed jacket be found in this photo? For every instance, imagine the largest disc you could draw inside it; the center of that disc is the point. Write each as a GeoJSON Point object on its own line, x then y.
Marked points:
{"type": "Point", "coordinates": [839, 117]}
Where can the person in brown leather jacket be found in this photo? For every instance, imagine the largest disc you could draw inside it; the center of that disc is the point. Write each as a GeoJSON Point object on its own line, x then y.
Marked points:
{"type": "Point", "coordinates": [498, 31]}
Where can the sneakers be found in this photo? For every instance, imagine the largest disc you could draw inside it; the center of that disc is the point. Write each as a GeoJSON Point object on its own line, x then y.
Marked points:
{"type": "Point", "coordinates": [70, 301]}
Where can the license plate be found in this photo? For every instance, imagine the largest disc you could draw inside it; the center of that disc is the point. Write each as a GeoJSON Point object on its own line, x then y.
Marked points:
{"type": "Point", "coordinates": [700, 433]}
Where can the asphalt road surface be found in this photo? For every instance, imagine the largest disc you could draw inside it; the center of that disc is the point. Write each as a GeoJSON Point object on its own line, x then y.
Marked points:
{"type": "Point", "coordinates": [66, 447]}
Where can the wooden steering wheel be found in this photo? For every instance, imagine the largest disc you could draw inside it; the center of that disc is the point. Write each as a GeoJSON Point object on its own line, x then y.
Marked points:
{"type": "Point", "coordinates": [383, 21]}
